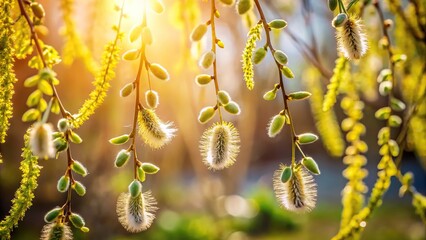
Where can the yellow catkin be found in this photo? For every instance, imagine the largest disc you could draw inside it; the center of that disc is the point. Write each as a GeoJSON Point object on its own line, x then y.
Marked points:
{"type": "Point", "coordinates": [339, 72]}
{"type": "Point", "coordinates": [247, 58]}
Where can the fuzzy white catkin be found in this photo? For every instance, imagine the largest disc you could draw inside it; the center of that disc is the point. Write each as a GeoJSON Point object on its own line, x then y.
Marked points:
{"type": "Point", "coordinates": [352, 41]}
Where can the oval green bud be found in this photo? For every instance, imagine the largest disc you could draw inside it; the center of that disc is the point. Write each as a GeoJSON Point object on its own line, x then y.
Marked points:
{"type": "Point", "coordinates": [223, 97]}
{"type": "Point", "coordinates": [206, 114]}
{"type": "Point", "coordinates": [76, 220]}
{"type": "Point", "coordinates": [276, 125]}
{"type": "Point", "coordinates": [397, 105]}
{"type": "Point", "coordinates": [287, 72]}
{"type": "Point", "coordinates": [300, 95]}
{"type": "Point", "coordinates": [383, 113]}
{"type": "Point", "coordinates": [75, 138]}
{"type": "Point", "coordinates": [393, 148]}
{"type": "Point", "coordinates": [135, 33]}
{"type": "Point", "coordinates": [159, 71]}
{"type": "Point", "coordinates": [203, 79]}
{"type": "Point", "coordinates": [127, 90]}
{"type": "Point", "coordinates": [395, 121]}
{"type": "Point", "coordinates": [384, 75]}
{"type": "Point", "coordinates": [220, 43]}
{"type": "Point", "coordinates": [79, 168]}
{"type": "Point", "coordinates": [147, 35]}
{"type": "Point", "coordinates": [52, 215]}
{"type": "Point", "coordinates": [141, 174]}
{"type": "Point", "coordinates": [233, 108]}
{"type": "Point", "coordinates": [85, 229]}
{"type": "Point", "coordinates": [63, 125]}
{"type": "Point", "coordinates": [207, 59]}
{"type": "Point", "coordinates": [150, 168]}
{"type": "Point", "coordinates": [198, 32]}
{"type": "Point", "coordinates": [122, 158]}
{"type": "Point", "coordinates": [280, 57]}
{"type": "Point", "coordinates": [156, 5]}
{"type": "Point", "coordinates": [120, 139]}
{"type": "Point", "coordinates": [60, 144]}
{"type": "Point", "coordinates": [332, 4]}
{"type": "Point", "coordinates": [311, 165]}
{"type": "Point", "coordinates": [270, 95]}
{"type": "Point", "coordinates": [37, 9]}
{"type": "Point", "coordinates": [135, 188]}
{"type": "Point", "coordinates": [57, 135]}
{"type": "Point", "coordinates": [243, 6]}
{"type": "Point", "coordinates": [151, 98]}
{"type": "Point", "coordinates": [131, 54]}
{"type": "Point", "coordinates": [277, 24]}
{"type": "Point", "coordinates": [34, 98]}
{"type": "Point", "coordinates": [63, 184]}
{"type": "Point", "coordinates": [44, 87]}
{"type": "Point", "coordinates": [30, 115]}
{"type": "Point", "coordinates": [79, 188]}
{"type": "Point", "coordinates": [259, 55]}
{"type": "Point", "coordinates": [399, 58]}
{"type": "Point", "coordinates": [339, 20]}
{"type": "Point", "coordinates": [307, 138]}
{"type": "Point", "coordinates": [385, 88]}
{"type": "Point", "coordinates": [227, 2]}
{"type": "Point", "coordinates": [286, 174]}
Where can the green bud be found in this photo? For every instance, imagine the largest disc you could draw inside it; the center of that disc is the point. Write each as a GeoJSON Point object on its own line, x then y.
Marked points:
{"type": "Point", "coordinates": [135, 188]}
{"type": "Point", "coordinates": [227, 2]}
{"type": "Point", "coordinates": [393, 148]}
{"type": "Point", "coordinates": [198, 32]}
{"type": "Point", "coordinates": [259, 55]}
{"type": "Point", "coordinates": [76, 220]}
{"type": "Point", "coordinates": [277, 24]}
{"type": "Point", "coordinates": [339, 20]}
{"type": "Point", "coordinates": [30, 115]}
{"type": "Point", "coordinates": [150, 168]}
{"type": "Point", "coordinates": [44, 87]}
{"type": "Point", "coordinates": [307, 138]}
{"type": "Point", "coordinates": [38, 10]}
{"type": "Point", "coordinates": [63, 125]}
{"type": "Point", "coordinates": [60, 144]}
{"type": "Point", "coordinates": [120, 139]}
{"type": "Point", "coordinates": [207, 59]}
{"type": "Point", "coordinates": [156, 5]}
{"type": "Point", "coordinates": [286, 174]}
{"type": "Point", "coordinates": [397, 105]}
{"type": "Point", "coordinates": [122, 158]}
{"type": "Point", "coordinates": [332, 4]}
{"type": "Point", "coordinates": [383, 113]}
{"type": "Point", "coordinates": [75, 138]}
{"type": "Point", "coordinates": [79, 168]}
{"type": "Point", "coordinates": [408, 178]}
{"type": "Point", "coordinates": [159, 71]}
{"type": "Point", "coordinates": [34, 98]}
{"type": "Point", "coordinates": [270, 95]}
{"type": "Point", "coordinates": [223, 97]}
{"type": "Point", "coordinates": [57, 135]}
{"type": "Point", "coordinates": [287, 72]}
{"type": "Point", "coordinates": [280, 57]}
{"type": "Point", "coordinates": [311, 165]}
{"type": "Point", "coordinates": [220, 43]}
{"type": "Point", "coordinates": [232, 107]}
{"type": "Point", "coordinates": [206, 114]}
{"type": "Point", "coordinates": [135, 33]}
{"type": "Point", "coordinates": [147, 35]}
{"type": "Point", "coordinates": [52, 215]}
{"type": "Point", "coordinates": [300, 95]}
{"type": "Point", "coordinates": [79, 188]}
{"type": "Point", "coordinates": [243, 6]}
{"type": "Point", "coordinates": [151, 98]}
{"type": "Point", "coordinates": [31, 81]}
{"type": "Point", "coordinates": [384, 75]}
{"type": "Point", "coordinates": [63, 184]}
{"type": "Point", "coordinates": [203, 79]}
{"type": "Point", "coordinates": [276, 125]}
{"type": "Point", "coordinates": [141, 174]}
{"type": "Point", "coordinates": [85, 229]}
{"type": "Point", "coordinates": [399, 58]}
{"type": "Point", "coordinates": [395, 121]}
{"type": "Point", "coordinates": [131, 54]}
{"type": "Point", "coordinates": [385, 88]}
{"type": "Point", "coordinates": [127, 90]}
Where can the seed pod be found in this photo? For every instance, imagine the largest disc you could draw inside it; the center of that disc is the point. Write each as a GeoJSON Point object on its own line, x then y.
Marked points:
{"type": "Point", "coordinates": [206, 114]}
{"type": "Point", "coordinates": [395, 121]}
{"type": "Point", "coordinates": [287, 72]}
{"type": "Point", "coordinates": [203, 79]}
{"type": "Point", "coordinates": [63, 125]}
{"type": "Point", "coordinates": [300, 95]}
{"type": "Point", "coordinates": [385, 88]}
{"type": "Point", "coordinates": [141, 174]}
{"type": "Point", "coordinates": [259, 55]}
{"type": "Point", "coordinates": [286, 174]}
{"type": "Point", "coordinates": [52, 215]}
{"type": "Point", "coordinates": [150, 168]}
{"type": "Point", "coordinates": [63, 184]}
{"type": "Point", "coordinates": [131, 54]}
{"type": "Point", "coordinates": [332, 4]}
{"type": "Point", "coordinates": [76, 220]}
{"type": "Point", "coordinates": [147, 35]}
{"type": "Point", "coordinates": [127, 90]}
{"type": "Point", "coordinates": [38, 10]}
{"type": "Point", "coordinates": [276, 124]}
{"type": "Point", "coordinates": [311, 165]}
{"type": "Point", "coordinates": [280, 57]}
{"type": "Point", "coordinates": [79, 168]}
{"type": "Point", "coordinates": [122, 158]}
{"type": "Point", "coordinates": [135, 33]}
{"type": "Point", "coordinates": [207, 59]}
{"type": "Point", "coordinates": [151, 98]}
{"type": "Point", "coordinates": [223, 97]}
{"type": "Point", "coordinates": [339, 20]}
{"type": "Point", "coordinates": [270, 95]}
{"type": "Point", "coordinates": [60, 144]}
{"type": "Point", "coordinates": [307, 138]}
{"type": "Point", "coordinates": [79, 188]}
{"type": "Point", "coordinates": [397, 105]}
{"type": "Point", "coordinates": [198, 32]}
{"type": "Point", "coordinates": [75, 138]}
{"type": "Point", "coordinates": [135, 188]}
{"type": "Point", "coordinates": [243, 6]}
{"type": "Point", "coordinates": [159, 71]}
{"type": "Point", "coordinates": [232, 107]}
{"type": "Point", "coordinates": [156, 5]}
{"type": "Point", "coordinates": [383, 113]}
{"type": "Point", "coordinates": [120, 139]}
{"type": "Point", "coordinates": [227, 2]}
{"type": "Point", "coordinates": [277, 24]}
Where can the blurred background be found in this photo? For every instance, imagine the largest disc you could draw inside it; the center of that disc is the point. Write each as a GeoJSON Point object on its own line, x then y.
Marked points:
{"type": "Point", "coordinates": [195, 203]}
